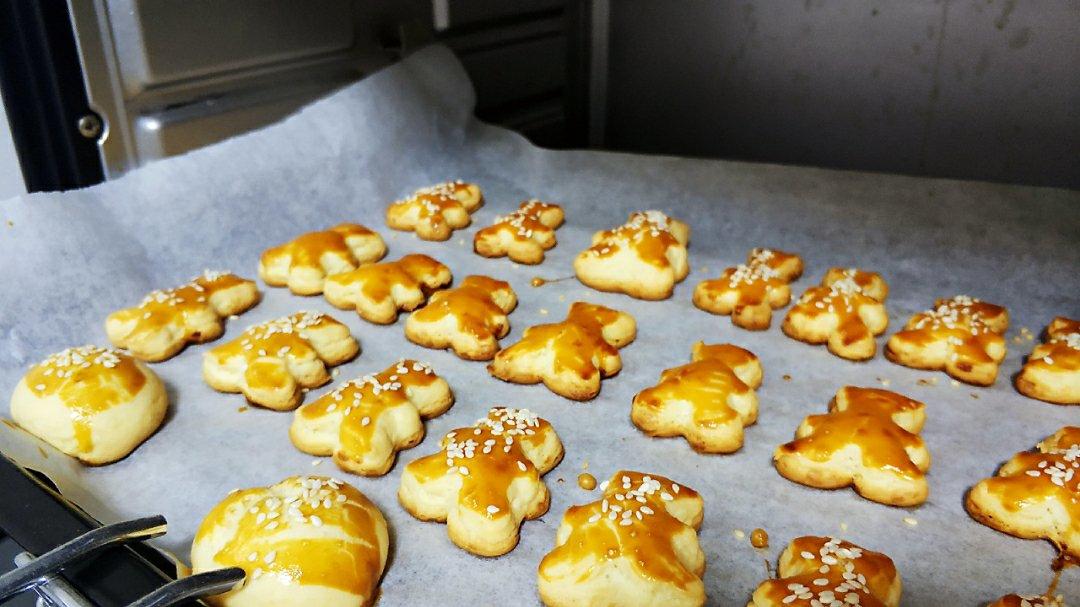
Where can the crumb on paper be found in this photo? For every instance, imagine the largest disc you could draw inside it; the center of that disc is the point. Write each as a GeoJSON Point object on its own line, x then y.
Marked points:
{"type": "Point", "coordinates": [562, 298]}
{"type": "Point", "coordinates": [315, 462]}
{"type": "Point", "coordinates": [927, 381]}
{"type": "Point", "coordinates": [335, 372]}
{"type": "Point", "coordinates": [234, 316]}
{"type": "Point", "coordinates": [10, 223]}
{"type": "Point", "coordinates": [911, 521]}
{"type": "Point", "coordinates": [787, 377]}
{"type": "Point", "coordinates": [739, 534]}
{"type": "Point", "coordinates": [305, 390]}
{"type": "Point", "coordinates": [974, 396]}
{"type": "Point", "coordinates": [514, 265]}
{"type": "Point", "coordinates": [704, 269]}
{"type": "Point", "coordinates": [954, 383]}
{"type": "Point", "coordinates": [461, 242]}
{"type": "Point", "coordinates": [585, 465]}
{"type": "Point", "coordinates": [559, 480]}
{"type": "Point", "coordinates": [543, 311]}
{"type": "Point", "coordinates": [843, 526]}
{"type": "Point", "coordinates": [241, 409]}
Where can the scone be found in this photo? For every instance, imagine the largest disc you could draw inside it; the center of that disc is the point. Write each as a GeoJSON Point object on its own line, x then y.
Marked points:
{"type": "Point", "coordinates": [571, 356]}
{"type": "Point", "coordinates": [870, 440]}
{"type": "Point", "coordinates": [820, 571]}
{"type": "Point", "coordinates": [364, 422]}
{"type": "Point", "coordinates": [1052, 372]}
{"type": "Point", "coordinates": [303, 263]}
{"type": "Point", "coordinates": [962, 336]}
{"type": "Point", "coordinates": [167, 320]}
{"type": "Point", "coordinates": [708, 402]}
{"type": "Point", "coordinates": [845, 312]}
{"type": "Point", "coordinates": [636, 546]}
{"type": "Point", "coordinates": [749, 292]}
{"type": "Point", "coordinates": [306, 541]}
{"type": "Point", "coordinates": [1031, 600]}
{"type": "Point", "coordinates": [523, 235]}
{"type": "Point", "coordinates": [271, 363]}
{"type": "Point", "coordinates": [378, 291]}
{"type": "Point", "coordinates": [643, 258]}
{"type": "Point", "coordinates": [485, 480]}
{"type": "Point", "coordinates": [1036, 494]}
{"type": "Point", "coordinates": [92, 403]}
{"type": "Point", "coordinates": [435, 212]}
{"type": "Point", "coordinates": [470, 319]}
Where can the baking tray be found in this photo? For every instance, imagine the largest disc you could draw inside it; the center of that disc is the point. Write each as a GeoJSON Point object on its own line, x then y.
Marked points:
{"type": "Point", "coordinates": [69, 259]}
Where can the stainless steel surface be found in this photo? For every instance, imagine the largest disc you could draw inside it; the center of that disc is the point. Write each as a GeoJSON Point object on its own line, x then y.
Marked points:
{"type": "Point", "coordinates": [191, 587]}
{"type": "Point", "coordinates": [54, 590]}
{"type": "Point", "coordinates": [37, 572]}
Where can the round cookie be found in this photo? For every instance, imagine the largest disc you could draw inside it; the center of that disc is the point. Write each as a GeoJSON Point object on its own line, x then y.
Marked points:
{"type": "Point", "coordinates": [93, 403]}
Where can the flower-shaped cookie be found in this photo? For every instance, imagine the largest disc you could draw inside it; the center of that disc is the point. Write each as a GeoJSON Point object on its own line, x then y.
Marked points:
{"type": "Point", "coordinates": [167, 320]}
{"type": "Point", "coordinates": [820, 572]}
{"type": "Point", "coordinates": [1052, 372]}
{"type": "Point", "coordinates": [364, 422]}
{"type": "Point", "coordinates": [962, 336]}
{"type": "Point", "coordinates": [1036, 494]}
{"type": "Point", "coordinates": [303, 263]}
{"type": "Point", "coordinates": [845, 312]}
{"type": "Point", "coordinates": [571, 356]}
{"type": "Point", "coordinates": [470, 318]}
{"type": "Point", "coordinates": [378, 291]}
{"type": "Point", "coordinates": [749, 292]}
{"type": "Point", "coordinates": [271, 363]}
{"type": "Point", "coordinates": [869, 439]}
{"type": "Point", "coordinates": [486, 480]}
{"type": "Point", "coordinates": [304, 541]}
{"type": "Point", "coordinates": [637, 545]}
{"type": "Point", "coordinates": [92, 403]}
{"type": "Point", "coordinates": [643, 258]}
{"type": "Point", "coordinates": [1016, 600]}
{"type": "Point", "coordinates": [708, 401]}
{"type": "Point", "coordinates": [523, 235]}
{"type": "Point", "coordinates": [435, 212]}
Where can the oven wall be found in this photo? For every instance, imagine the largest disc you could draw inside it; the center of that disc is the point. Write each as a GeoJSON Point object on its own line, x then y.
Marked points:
{"type": "Point", "coordinates": [976, 89]}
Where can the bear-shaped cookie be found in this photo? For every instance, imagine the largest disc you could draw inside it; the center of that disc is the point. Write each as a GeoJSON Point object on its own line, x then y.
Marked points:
{"type": "Point", "coordinates": [469, 319]}
{"type": "Point", "coordinates": [708, 401]}
{"type": "Point", "coordinates": [434, 212]}
{"type": "Point", "coordinates": [845, 312]}
{"type": "Point", "coordinates": [485, 480]}
{"type": "Point", "coordinates": [643, 258]}
{"type": "Point", "coordinates": [571, 356]}
{"type": "Point", "coordinates": [364, 422]}
{"type": "Point", "coordinates": [272, 362]}
{"type": "Point", "coordinates": [749, 292]}
{"type": "Point", "coordinates": [636, 546]}
{"type": "Point", "coordinates": [523, 235]}
{"type": "Point", "coordinates": [1052, 372]}
{"type": "Point", "coordinates": [378, 291]}
{"type": "Point", "coordinates": [303, 263]}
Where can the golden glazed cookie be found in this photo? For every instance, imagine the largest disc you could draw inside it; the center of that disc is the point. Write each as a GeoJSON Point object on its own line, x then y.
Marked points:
{"type": "Point", "coordinates": [469, 319]}
{"type": "Point", "coordinates": [749, 292]}
{"type": "Point", "coordinates": [1052, 372]}
{"type": "Point", "coordinates": [643, 258]}
{"type": "Point", "coordinates": [436, 211]}
{"type": "Point", "coordinates": [523, 235]}
{"type": "Point", "coordinates": [1036, 494]}
{"type": "Point", "coordinates": [271, 363]}
{"type": "Point", "coordinates": [364, 422]}
{"type": "Point", "coordinates": [637, 545]}
{"type": "Point", "coordinates": [304, 263]}
{"type": "Point", "coordinates": [378, 291]}
{"type": "Point", "coordinates": [846, 312]}
{"type": "Point", "coordinates": [961, 336]}
{"type": "Point", "coordinates": [707, 402]}
{"type": "Point", "coordinates": [485, 480]}
{"type": "Point", "coordinates": [571, 356]}
{"type": "Point", "coordinates": [306, 541]}
{"type": "Point", "coordinates": [819, 571]}
{"type": "Point", "coordinates": [1016, 600]}
{"type": "Point", "coordinates": [92, 403]}
{"type": "Point", "coordinates": [870, 440]}
{"type": "Point", "coordinates": [169, 319]}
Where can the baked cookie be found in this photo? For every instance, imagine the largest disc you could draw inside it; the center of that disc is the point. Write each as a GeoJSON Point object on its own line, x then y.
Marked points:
{"type": "Point", "coordinates": [869, 439]}
{"type": "Point", "coordinates": [364, 422]}
{"type": "Point", "coordinates": [571, 356]}
{"type": "Point", "coordinates": [169, 319]}
{"type": "Point", "coordinates": [637, 545]}
{"type": "Point", "coordinates": [846, 312]}
{"type": "Point", "coordinates": [707, 402]}
{"type": "Point", "coordinates": [303, 263]}
{"type": "Point", "coordinates": [308, 540]}
{"type": "Point", "coordinates": [1052, 372]}
{"type": "Point", "coordinates": [1016, 600]}
{"type": "Point", "coordinates": [750, 291]}
{"type": "Point", "coordinates": [819, 571]}
{"type": "Point", "coordinates": [486, 480]}
{"type": "Point", "coordinates": [378, 291]}
{"type": "Point", "coordinates": [643, 258]}
{"type": "Point", "coordinates": [435, 212]}
{"type": "Point", "coordinates": [523, 235]}
{"type": "Point", "coordinates": [271, 363]}
{"type": "Point", "coordinates": [470, 318]}
{"type": "Point", "coordinates": [92, 403]}
{"type": "Point", "coordinates": [962, 336]}
{"type": "Point", "coordinates": [1036, 494]}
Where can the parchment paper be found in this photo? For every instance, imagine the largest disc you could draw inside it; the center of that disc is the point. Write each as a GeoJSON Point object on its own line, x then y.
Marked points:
{"type": "Point", "coordinates": [69, 259]}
